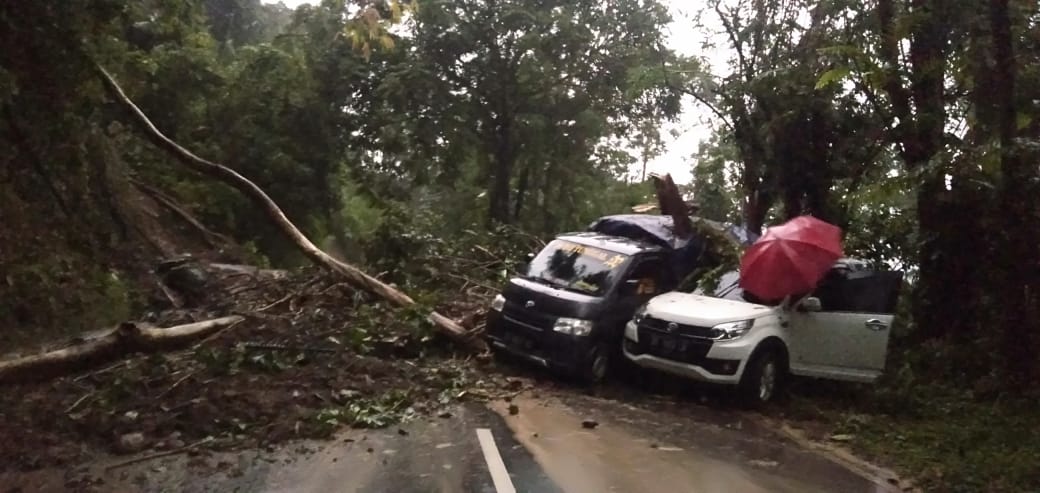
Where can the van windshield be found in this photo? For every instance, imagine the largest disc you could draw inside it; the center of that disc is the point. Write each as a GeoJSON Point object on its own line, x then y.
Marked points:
{"type": "Point", "coordinates": [567, 265]}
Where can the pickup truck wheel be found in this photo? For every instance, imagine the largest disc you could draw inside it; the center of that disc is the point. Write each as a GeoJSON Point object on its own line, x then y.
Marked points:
{"type": "Point", "coordinates": [762, 378]}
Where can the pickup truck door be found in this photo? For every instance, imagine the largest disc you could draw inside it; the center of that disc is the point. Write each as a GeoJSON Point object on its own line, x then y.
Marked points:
{"type": "Point", "coordinates": [848, 338]}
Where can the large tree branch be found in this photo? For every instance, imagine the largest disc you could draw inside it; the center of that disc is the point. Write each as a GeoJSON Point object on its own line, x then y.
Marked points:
{"type": "Point", "coordinates": [690, 92]}
{"type": "Point", "coordinates": [738, 47]}
{"type": "Point", "coordinates": [126, 339]}
{"type": "Point", "coordinates": [261, 199]}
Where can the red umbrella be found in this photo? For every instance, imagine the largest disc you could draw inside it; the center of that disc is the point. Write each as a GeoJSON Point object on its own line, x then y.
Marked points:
{"type": "Point", "coordinates": [790, 258]}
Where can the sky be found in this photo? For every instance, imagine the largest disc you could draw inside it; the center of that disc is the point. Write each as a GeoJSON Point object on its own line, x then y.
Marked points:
{"type": "Point", "coordinates": [683, 136]}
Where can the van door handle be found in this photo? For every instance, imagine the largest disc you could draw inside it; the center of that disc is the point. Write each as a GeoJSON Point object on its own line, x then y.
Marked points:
{"type": "Point", "coordinates": [875, 324]}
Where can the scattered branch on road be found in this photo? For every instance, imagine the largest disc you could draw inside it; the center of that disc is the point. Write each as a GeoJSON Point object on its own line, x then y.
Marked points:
{"type": "Point", "coordinates": [158, 455]}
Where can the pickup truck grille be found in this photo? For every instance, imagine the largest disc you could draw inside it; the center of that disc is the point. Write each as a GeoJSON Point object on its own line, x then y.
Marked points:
{"type": "Point", "coordinates": [675, 347]}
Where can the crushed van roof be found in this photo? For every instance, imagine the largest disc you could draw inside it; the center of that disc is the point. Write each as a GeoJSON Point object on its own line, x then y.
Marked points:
{"type": "Point", "coordinates": [617, 244]}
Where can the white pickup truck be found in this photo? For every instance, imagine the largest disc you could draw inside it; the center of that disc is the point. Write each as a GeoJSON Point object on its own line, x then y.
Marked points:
{"type": "Point", "coordinates": [839, 331]}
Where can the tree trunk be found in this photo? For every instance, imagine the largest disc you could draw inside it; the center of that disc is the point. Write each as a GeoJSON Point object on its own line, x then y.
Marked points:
{"type": "Point", "coordinates": [230, 177]}
{"type": "Point", "coordinates": [670, 203]}
{"type": "Point", "coordinates": [502, 174]}
{"type": "Point", "coordinates": [521, 191]}
{"type": "Point", "coordinates": [920, 114]}
{"type": "Point", "coordinates": [127, 338]}
{"type": "Point", "coordinates": [1017, 248]}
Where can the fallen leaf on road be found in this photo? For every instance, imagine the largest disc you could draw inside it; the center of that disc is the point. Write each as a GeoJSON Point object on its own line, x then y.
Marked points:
{"type": "Point", "coordinates": [841, 438]}
{"type": "Point", "coordinates": [764, 463]}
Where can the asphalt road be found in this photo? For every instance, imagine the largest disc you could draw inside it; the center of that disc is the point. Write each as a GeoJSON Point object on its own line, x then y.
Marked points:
{"type": "Point", "coordinates": [556, 441]}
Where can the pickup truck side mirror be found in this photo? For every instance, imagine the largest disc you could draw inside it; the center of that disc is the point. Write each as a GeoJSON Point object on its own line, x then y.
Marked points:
{"type": "Point", "coordinates": [810, 304]}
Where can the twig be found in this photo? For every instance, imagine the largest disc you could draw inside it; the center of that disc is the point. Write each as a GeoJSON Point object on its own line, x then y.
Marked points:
{"type": "Point", "coordinates": [175, 384]}
{"type": "Point", "coordinates": [215, 334]}
{"type": "Point", "coordinates": [471, 281]}
{"type": "Point", "coordinates": [330, 288]}
{"type": "Point", "coordinates": [485, 250]}
{"type": "Point", "coordinates": [103, 370]}
{"type": "Point", "coordinates": [158, 454]}
{"type": "Point", "coordinates": [283, 347]}
{"type": "Point", "coordinates": [276, 303]}
{"type": "Point", "coordinates": [173, 297]}
{"type": "Point", "coordinates": [79, 401]}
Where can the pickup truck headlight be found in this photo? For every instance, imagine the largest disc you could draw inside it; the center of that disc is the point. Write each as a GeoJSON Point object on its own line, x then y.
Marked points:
{"type": "Point", "coordinates": [498, 303]}
{"type": "Point", "coordinates": [731, 330]}
{"type": "Point", "coordinates": [640, 314]}
{"type": "Point", "coordinates": [573, 326]}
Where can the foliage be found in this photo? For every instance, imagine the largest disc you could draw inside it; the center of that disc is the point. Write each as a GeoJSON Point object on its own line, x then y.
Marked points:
{"type": "Point", "coordinates": [523, 94]}
{"type": "Point", "coordinates": [943, 438]}
{"type": "Point", "coordinates": [880, 117]}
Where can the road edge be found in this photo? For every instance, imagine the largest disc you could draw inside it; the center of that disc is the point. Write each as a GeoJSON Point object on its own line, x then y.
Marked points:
{"type": "Point", "coordinates": [884, 478]}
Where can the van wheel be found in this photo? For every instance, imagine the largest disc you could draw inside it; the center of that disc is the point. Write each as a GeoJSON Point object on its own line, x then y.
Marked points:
{"type": "Point", "coordinates": [501, 356]}
{"type": "Point", "coordinates": [598, 365]}
{"type": "Point", "coordinates": [762, 378]}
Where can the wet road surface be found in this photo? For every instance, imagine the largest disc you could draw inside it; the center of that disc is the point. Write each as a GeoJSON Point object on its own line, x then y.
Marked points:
{"type": "Point", "coordinates": [632, 449]}
{"type": "Point", "coordinates": [540, 445]}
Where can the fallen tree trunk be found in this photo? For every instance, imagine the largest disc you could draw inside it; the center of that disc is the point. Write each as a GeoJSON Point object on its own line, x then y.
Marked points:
{"type": "Point", "coordinates": [670, 203]}
{"type": "Point", "coordinates": [232, 178]}
{"type": "Point", "coordinates": [127, 338]}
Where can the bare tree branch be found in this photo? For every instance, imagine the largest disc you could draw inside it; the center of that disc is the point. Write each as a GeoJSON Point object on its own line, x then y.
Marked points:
{"type": "Point", "coordinates": [261, 199]}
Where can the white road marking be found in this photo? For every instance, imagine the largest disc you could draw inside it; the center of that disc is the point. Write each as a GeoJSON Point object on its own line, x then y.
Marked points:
{"type": "Point", "coordinates": [499, 475]}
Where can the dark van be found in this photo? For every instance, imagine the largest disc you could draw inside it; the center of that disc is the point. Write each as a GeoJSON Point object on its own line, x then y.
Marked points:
{"type": "Point", "coordinates": [568, 311]}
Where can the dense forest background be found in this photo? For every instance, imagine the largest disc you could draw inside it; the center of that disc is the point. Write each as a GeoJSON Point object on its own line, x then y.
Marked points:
{"type": "Point", "coordinates": [388, 128]}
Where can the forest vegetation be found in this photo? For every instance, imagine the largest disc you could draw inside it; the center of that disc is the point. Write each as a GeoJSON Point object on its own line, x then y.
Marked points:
{"type": "Point", "coordinates": [386, 130]}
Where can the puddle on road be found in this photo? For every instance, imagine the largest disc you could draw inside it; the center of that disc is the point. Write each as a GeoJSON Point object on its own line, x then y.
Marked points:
{"type": "Point", "coordinates": [619, 456]}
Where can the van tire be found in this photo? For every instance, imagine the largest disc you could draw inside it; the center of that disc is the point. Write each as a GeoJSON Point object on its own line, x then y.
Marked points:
{"type": "Point", "coordinates": [502, 357]}
{"type": "Point", "coordinates": [763, 377]}
{"type": "Point", "coordinates": [597, 366]}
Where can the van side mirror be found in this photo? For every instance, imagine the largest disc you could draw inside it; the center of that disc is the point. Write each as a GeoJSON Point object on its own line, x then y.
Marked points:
{"type": "Point", "coordinates": [810, 304]}
{"type": "Point", "coordinates": [629, 287]}
{"type": "Point", "coordinates": [524, 265]}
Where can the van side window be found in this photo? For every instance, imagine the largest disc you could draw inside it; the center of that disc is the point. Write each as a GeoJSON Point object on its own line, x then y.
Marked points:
{"type": "Point", "coordinates": [654, 276]}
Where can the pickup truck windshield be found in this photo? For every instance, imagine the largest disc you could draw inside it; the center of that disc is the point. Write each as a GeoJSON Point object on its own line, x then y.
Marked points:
{"type": "Point", "coordinates": [728, 288]}
{"type": "Point", "coordinates": [575, 267]}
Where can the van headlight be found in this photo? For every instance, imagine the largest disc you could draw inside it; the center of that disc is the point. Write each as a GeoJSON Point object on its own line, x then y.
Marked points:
{"type": "Point", "coordinates": [731, 330]}
{"type": "Point", "coordinates": [573, 326]}
{"type": "Point", "coordinates": [498, 303]}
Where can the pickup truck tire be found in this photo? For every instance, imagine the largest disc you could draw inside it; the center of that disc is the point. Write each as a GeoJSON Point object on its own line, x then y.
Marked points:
{"type": "Point", "coordinates": [763, 376]}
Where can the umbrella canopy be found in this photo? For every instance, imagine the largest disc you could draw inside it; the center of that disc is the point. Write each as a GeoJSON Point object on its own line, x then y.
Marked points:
{"type": "Point", "coordinates": [790, 258]}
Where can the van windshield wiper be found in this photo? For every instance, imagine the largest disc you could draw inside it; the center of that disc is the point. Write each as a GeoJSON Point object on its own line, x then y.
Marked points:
{"type": "Point", "coordinates": [558, 285]}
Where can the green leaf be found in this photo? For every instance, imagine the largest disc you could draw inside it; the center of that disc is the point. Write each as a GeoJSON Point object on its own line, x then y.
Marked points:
{"type": "Point", "coordinates": [831, 76]}
{"type": "Point", "coordinates": [1023, 120]}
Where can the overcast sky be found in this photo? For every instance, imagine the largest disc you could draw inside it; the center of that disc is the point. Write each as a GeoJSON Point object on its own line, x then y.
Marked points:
{"type": "Point", "coordinates": [691, 127]}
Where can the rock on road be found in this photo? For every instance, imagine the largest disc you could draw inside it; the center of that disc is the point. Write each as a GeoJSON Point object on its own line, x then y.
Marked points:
{"type": "Point", "coordinates": [561, 441]}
